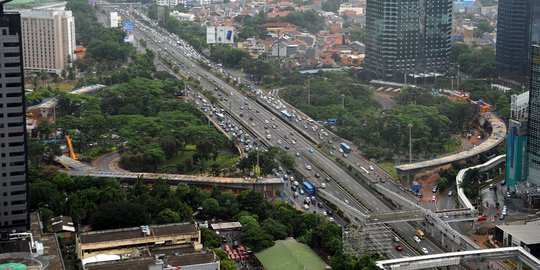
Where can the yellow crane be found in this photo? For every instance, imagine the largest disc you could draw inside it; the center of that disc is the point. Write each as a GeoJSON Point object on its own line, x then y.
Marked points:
{"type": "Point", "coordinates": [70, 145]}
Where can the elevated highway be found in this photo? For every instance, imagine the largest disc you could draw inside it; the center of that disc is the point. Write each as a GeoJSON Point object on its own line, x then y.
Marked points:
{"type": "Point", "coordinates": [497, 136]}
{"type": "Point", "coordinates": [266, 185]}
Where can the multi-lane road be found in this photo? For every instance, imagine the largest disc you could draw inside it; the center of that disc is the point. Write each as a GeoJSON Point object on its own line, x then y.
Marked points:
{"type": "Point", "coordinates": [256, 117]}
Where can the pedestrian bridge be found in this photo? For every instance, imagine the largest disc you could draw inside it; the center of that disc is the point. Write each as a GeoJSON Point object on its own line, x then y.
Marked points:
{"type": "Point", "coordinates": [481, 257]}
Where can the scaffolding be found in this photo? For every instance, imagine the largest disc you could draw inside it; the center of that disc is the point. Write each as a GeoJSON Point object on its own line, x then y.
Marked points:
{"type": "Point", "coordinates": [367, 239]}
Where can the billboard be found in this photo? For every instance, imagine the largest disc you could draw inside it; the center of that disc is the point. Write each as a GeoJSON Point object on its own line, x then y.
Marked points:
{"type": "Point", "coordinates": [225, 34]}
{"type": "Point", "coordinates": [464, 4]}
{"type": "Point", "coordinates": [220, 34]}
{"type": "Point", "coordinates": [114, 19]}
{"type": "Point", "coordinates": [128, 27]}
{"type": "Point", "coordinates": [210, 34]}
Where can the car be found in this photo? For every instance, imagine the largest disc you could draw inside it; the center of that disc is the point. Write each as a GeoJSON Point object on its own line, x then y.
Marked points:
{"type": "Point", "coordinates": [424, 250]}
{"type": "Point", "coordinates": [345, 155]}
{"type": "Point", "coordinates": [297, 154]}
{"type": "Point", "coordinates": [508, 195]}
{"type": "Point", "coordinates": [287, 147]}
{"type": "Point", "coordinates": [346, 201]}
{"type": "Point", "coordinates": [371, 167]}
{"type": "Point", "coordinates": [306, 206]}
{"type": "Point", "coordinates": [482, 217]}
{"type": "Point", "coordinates": [417, 239]}
{"type": "Point", "coordinates": [253, 124]}
{"type": "Point", "coordinates": [323, 185]}
{"type": "Point", "coordinates": [295, 194]}
{"type": "Point", "coordinates": [311, 150]}
{"type": "Point", "coordinates": [308, 167]}
{"type": "Point", "coordinates": [450, 193]}
{"type": "Point", "coordinates": [293, 142]}
{"type": "Point", "coordinates": [329, 212]}
{"type": "Point", "coordinates": [435, 189]}
{"type": "Point", "coordinates": [396, 239]}
{"type": "Point", "coordinates": [330, 219]}
{"type": "Point", "coordinates": [278, 141]}
{"type": "Point", "coordinates": [399, 248]}
{"type": "Point", "coordinates": [302, 192]}
{"type": "Point", "coordinates": [433, 198]}
{"type": "Point", "coordinates": [317, 175]}
{"type": "Point", "coordinates": [319, 204]}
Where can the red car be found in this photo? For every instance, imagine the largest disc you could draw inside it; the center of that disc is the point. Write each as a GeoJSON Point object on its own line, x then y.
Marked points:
{"type": "Point", "coordinates": [399, 248]}
{"type": "Point", "coordinates": [481, 217]}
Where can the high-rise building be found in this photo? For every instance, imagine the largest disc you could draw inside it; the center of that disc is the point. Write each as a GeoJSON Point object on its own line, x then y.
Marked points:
{"type": "Point", "coordinates": [518, 27]}
{"type": "Point", "coordinates": [48, 39]}
{"type": "Point", "coordinates": [533, 124]}
{"type": "Point", "coordinates": [14, 214]}
{"type": "Point", "coordinates": [516, 140]}
{"type": "Point", "coordinates": [407, 37]}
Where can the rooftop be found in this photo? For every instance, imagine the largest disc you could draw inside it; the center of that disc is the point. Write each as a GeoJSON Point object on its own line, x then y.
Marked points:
{"type": "Point", "coordinates": [226, 226]}
{"type": "Point", "coordinates": [136, 232]}
{"type": "Point", "coordinates": [527, 233]}
{"type": "Point", "coordinates": [143, 263]}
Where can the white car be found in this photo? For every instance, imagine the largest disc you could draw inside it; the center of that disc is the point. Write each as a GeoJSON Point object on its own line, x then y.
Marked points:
{"type": "Point", "coordinates": [302, 192]}
{"type": "Point", "coordinates": [308, 167]}
{"type": "Point", "coordinates": [417, 239]}
{"type": "Point", "coordinates": [424, 250]}
{"type": "Point", "coordinates": [306, 206]}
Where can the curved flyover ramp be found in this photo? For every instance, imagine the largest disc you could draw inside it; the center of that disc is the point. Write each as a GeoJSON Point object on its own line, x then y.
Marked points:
{"type": "Point", "coordinates": [498, 134]}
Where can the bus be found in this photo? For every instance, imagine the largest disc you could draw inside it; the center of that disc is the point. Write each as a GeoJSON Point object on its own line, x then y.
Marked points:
{"type": "Point", "coordinates": [308, 187]}
{"type": "Point", "coordinates": [286, 115]}
{"type": "Point", "coordinates": [345, 147]}
{"type": "Point", "coordinates": [220, 116]}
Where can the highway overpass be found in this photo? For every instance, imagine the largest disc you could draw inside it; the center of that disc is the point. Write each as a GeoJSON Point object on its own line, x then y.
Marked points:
{"type": "Point", "coordinates": [267, 185]}
{"type": "Point", "coordinates": [498, 134]}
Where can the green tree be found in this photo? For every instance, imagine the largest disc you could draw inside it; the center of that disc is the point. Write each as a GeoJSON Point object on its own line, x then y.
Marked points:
{"type": "Point", "coordinates": [119, 215]}
{"type": "Point", "coordinates": [209, 238]}
{"type": "Point", "coordinates": [253, 235]}
{"type": "Point", "coordinates": [167, 216]}
{"type": "Point", "coordinates": [274, 228]}
{"type": "Point", "coordinates": [210, 207]}
{"type": "Point", "coordinates": [227, 265]}
{"type": "Point", "coordinates": [331, 5]}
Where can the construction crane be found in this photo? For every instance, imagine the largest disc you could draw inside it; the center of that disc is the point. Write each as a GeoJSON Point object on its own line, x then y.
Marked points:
{"type": "Point", "coordinates": [484, 106]}
{"type": "Point", "coordinates": [70, 145]}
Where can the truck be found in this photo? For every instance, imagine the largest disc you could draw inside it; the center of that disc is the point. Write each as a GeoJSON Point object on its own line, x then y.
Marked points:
{"type": "Point", "coordinates": [420, 234]}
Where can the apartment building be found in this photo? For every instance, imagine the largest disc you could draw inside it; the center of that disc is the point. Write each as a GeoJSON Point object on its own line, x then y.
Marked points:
{"type": "Point", "coordinates": [48, 39]}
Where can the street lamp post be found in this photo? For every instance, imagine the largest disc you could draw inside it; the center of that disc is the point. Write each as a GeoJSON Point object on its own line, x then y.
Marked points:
{"type": "Point", "coordinates": [309, 92]}
{"type": "Point", "coordinates": [410, 142]}
{"type": "Point", "coordinates": [458, 77]}
{"type": "Point", "coordinates": [343, 101]}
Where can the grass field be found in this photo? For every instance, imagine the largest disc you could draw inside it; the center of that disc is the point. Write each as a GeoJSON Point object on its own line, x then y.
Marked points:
{"type": "Point", "coordinates": [388, 165]}
{"type": "Point", "coordinates": [291, 255]}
